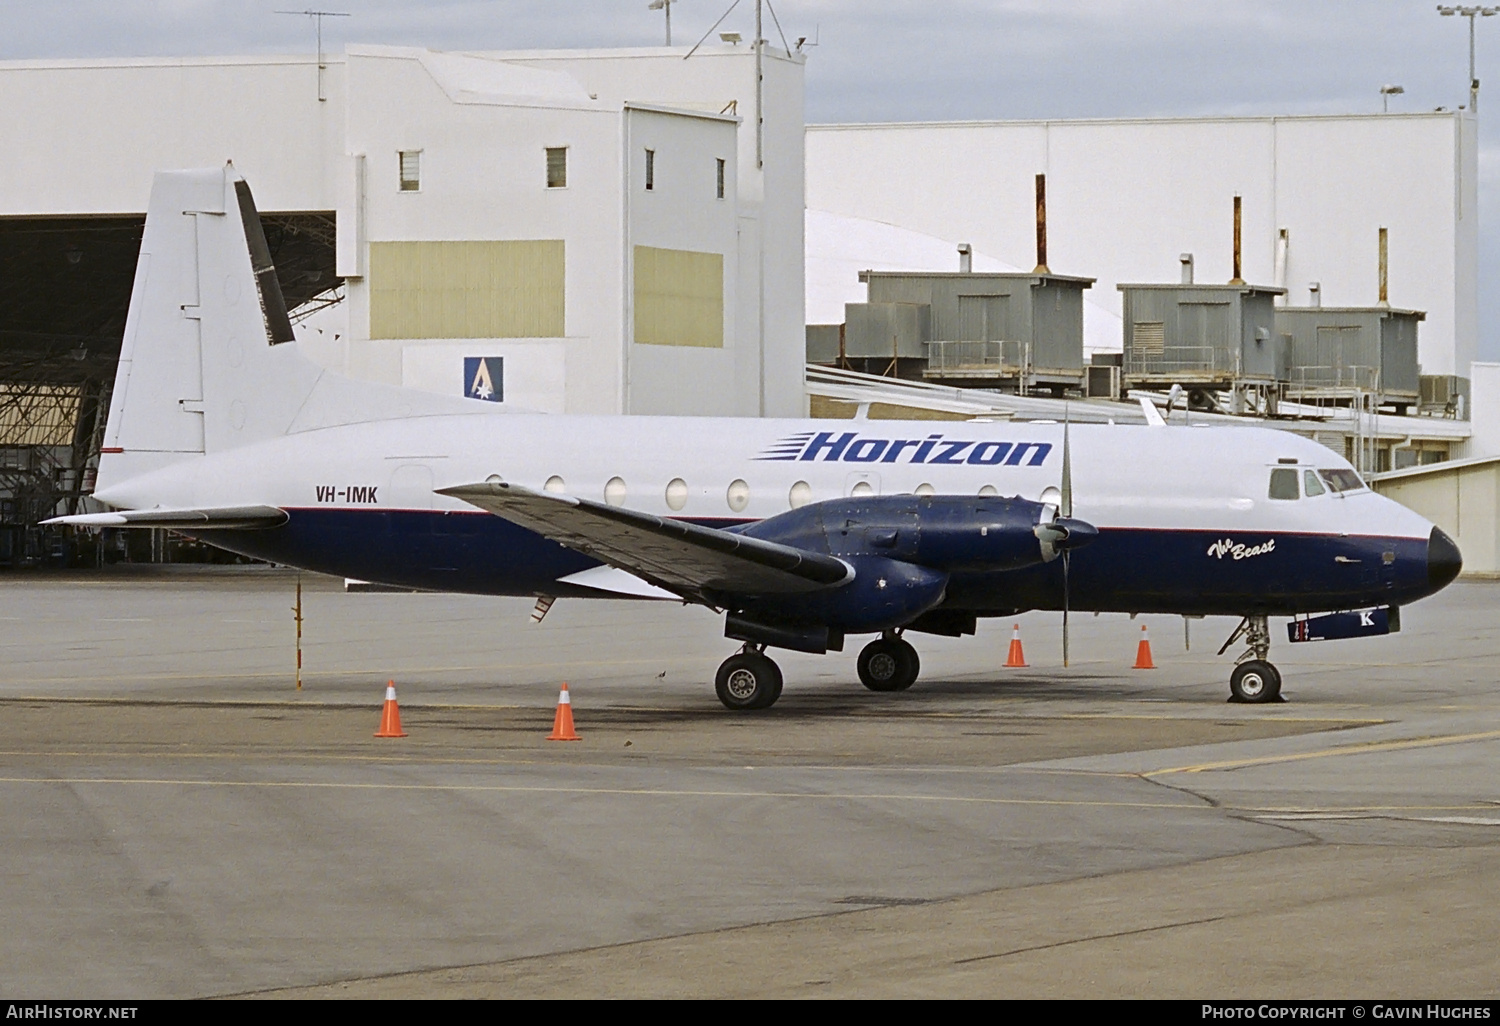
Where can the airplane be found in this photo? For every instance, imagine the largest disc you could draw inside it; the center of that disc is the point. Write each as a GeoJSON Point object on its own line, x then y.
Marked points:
{"type": "Point", "coordinates": [800, 532]}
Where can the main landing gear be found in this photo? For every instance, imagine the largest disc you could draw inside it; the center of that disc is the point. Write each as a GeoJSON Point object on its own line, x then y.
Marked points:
{"type": "Point", "coordinates": [1254, 679]}
{"type": "Point", "coordinates": [888, 663]}
{"type": "Point", "coordinates": [749, 679]}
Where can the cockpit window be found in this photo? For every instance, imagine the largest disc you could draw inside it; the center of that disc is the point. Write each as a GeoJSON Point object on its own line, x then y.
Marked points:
{"type": "Point", "coordinates": [1311, 485]}
{"type": "Point", "coordinates": [1341, 480]}
{"type": "Point", "coordinates": [1284, 483]}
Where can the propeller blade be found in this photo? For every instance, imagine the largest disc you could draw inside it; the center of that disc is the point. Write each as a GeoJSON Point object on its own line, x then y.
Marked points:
{"type": "Point", "coordinates": [1067, 470]}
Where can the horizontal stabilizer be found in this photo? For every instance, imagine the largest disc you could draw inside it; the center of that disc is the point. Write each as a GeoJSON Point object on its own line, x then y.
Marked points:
{"type": "Point", "coordinates": [688, 560]}
{"type": "Point", "coordinates": [218, 518]}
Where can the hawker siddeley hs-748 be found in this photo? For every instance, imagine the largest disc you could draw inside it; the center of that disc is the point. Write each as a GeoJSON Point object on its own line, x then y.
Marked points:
{"type": "Point", "coordinates": [801, 532]}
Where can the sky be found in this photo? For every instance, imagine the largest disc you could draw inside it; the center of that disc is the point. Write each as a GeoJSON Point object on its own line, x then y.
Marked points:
{"type": "Point", "coordinates": [889, 60]}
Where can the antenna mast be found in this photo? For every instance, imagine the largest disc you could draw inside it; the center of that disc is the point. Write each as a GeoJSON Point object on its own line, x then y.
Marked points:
{"type": "Point", "coordinates": [318, 16]}
{"type": "Point", "coordinates": [664, 5]}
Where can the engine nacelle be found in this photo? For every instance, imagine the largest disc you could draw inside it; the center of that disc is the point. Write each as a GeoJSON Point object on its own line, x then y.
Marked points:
{"type": "Point", "coordinates": [884, 593]}
{"type": "Point", "coordinates": [950, 533]}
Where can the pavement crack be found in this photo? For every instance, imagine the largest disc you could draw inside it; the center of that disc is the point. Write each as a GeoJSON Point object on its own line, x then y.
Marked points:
{"type": "Point", "coordinates": [1091, 937]}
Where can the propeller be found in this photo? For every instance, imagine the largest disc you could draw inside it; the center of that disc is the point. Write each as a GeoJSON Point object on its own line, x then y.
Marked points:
{"type": "Point", "coordinates": [1060, 535]}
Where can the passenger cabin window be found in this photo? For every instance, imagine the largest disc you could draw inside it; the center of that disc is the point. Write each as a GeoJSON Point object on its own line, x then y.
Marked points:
{"type": "Point", "coordinates": [1284, 483]}
{"type": "Point", "coordinates": [1311, 485]}
{"type": "Point", "coordinates": [1341, 480]}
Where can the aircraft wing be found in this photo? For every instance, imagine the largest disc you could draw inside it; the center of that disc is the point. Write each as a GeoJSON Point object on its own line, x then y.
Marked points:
{"type": "Point", "coordinates": [683, 558]}
{"type": "Point", "coordinates": [212, 518]}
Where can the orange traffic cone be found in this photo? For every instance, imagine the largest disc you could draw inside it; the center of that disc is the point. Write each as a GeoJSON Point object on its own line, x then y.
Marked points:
{"type": "Point", "coordinates": [1016, 656]}
{"type": "Point", "coordinates": [562, 726]}
{"type": "Point", "coordinates": [390, 716]}
{"type": "Point", "coordinates": [1143, 652]}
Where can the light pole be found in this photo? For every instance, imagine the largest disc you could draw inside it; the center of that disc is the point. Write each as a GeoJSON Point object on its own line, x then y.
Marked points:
{"type": "Point", "coordinates": [1471, 13]}
{"type": "Point", "coordinates": [664, 5]}
{"type": "Point", "coordinates": [1386, 92]}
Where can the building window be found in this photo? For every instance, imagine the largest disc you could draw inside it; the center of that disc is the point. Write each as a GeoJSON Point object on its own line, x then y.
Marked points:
{"type": "Point", "coordinates": [650, 170]}
{"type": "Point", "coordinates": [720, 172]}
{"type": "Point", "coordinates": [557, 167]}
{"type": "Point", "coordinates": [411, 170]}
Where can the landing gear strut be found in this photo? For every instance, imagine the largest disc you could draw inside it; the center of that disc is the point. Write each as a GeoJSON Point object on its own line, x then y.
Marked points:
{"type": "Point", "coordinates": [888, 664]}
{"type": "Point", "coordinates": [1254, 678]}
{"type": "Point", "coordinates": [748, 680]}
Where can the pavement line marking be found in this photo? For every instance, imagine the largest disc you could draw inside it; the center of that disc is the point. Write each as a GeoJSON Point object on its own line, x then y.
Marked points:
{"type": "Point", "coordinates": [624, 791]}
{"type": "Point", "coordinates": [1323, 817]}
{"type": "Point", "coordinates": [420, 703]}
{"type": "Point", "coordinates": [1354, 749]}
{"type": "Point", "coordinates": [1085, 940]}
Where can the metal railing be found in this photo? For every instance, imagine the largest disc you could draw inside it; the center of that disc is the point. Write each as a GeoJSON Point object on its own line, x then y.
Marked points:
{"type": "Point", "coordinates": [1181, 360]}
{"type": "Point", "coordinates": [1349, 377]}
{"type": "Point", "coordinates": [994, 356]}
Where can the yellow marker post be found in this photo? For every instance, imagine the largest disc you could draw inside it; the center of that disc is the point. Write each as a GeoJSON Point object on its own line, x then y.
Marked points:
{"type": "Point", "coordinates": [297, 612]}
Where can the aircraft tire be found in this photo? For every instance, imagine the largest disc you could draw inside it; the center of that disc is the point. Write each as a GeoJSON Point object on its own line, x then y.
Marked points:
{"type": "Point", "coordinates": [1255, 681]}
{"type": "Point", "coordinates": [888, 664]}
{"type": "Point", "coordinates": [748, 680]}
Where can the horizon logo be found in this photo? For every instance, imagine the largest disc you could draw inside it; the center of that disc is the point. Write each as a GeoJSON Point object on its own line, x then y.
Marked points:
{"type": "Point", "coordinates": [850, 447]}
{"type": "Point", "coordinates": [484, 378]}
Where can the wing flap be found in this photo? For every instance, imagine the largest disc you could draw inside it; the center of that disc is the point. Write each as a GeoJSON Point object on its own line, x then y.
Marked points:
{"type": "Point", "coordinates": [681, 557]}
{"type": "Point", "coordinates": [211, 518]}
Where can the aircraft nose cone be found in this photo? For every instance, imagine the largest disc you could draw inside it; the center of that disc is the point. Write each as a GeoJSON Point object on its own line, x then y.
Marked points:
{"type": "Point", "coordinates": [1444, 561]}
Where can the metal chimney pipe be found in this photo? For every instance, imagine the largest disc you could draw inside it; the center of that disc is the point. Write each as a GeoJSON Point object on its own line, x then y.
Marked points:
{"type": "Point", "coordinates": [965, 258]}
{"type": "Point", "coordinates": [1314, 294]}
{"type": "Point", "coordinates": [1187, 268]}
{"type": "Point", "coordinates": [1041, 226]}
{"type": "Point", "coordinates": [1385, 299]}
{"type": "Point", "coordinates": [1283, 244]}
{"type": "Point", "coordinates": [1236, 280]}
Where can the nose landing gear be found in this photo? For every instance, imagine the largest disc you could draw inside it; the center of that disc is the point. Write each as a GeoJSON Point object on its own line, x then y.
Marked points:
{"type": "Point", "coordinates": [1254, 678]}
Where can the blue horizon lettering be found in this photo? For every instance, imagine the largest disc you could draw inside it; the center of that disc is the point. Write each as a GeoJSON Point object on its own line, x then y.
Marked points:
{"type": "Point", "coordinates": [854, 455]}
{"type": "Point", "coordinates": [850, 447]}
{"type": "Point", "coordinates": [977, 457]}
{"type": "Point", "coordinates": [821, 441]}
{"type": "Point", "coordinates": [950, 452]}
{"type": "Point", "coordinates": [1042, 449]}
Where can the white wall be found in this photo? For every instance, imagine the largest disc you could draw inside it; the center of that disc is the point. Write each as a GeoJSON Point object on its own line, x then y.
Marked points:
{"type": "Point", "coordinates": [483, 177]}
{"type": "Point", "coordinates": [1125, 198]}
{"type": "Point", "coordinates": [683, 211]}
{"type": "Point", "coordinates": [85, 137]}
{"type": "Point", "coordinates": [771, 197]}
{"type": "Point", "coordinates": [1484, 411]}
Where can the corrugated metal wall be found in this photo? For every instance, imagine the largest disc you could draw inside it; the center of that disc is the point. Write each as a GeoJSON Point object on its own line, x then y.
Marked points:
{"type": "Point", "coordinates": [491, 289]}
{"type": "Point", "coordinates": [1057, 327]}
{"type": "Point", "coordinates": [679, 297]}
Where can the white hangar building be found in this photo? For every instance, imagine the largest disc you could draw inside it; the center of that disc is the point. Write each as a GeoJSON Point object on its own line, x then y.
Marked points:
{"type": "Point", "coordinates": [622, 229]}
{"type": "Point", "coordinates": [1126, 198]}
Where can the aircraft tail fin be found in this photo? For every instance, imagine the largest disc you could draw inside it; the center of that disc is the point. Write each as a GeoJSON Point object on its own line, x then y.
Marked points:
{"type": "Point", "coordinates": [208, 361]}
{"type": "Point", "coordinates": [203, 366]}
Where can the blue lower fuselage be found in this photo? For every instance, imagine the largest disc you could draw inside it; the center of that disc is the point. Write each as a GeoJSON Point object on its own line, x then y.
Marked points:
{"type": "Point", "coordinates": [1123, 570]}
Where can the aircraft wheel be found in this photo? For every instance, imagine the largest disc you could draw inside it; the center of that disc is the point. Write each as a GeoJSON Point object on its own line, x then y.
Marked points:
{"type": "Point", "coordinates": [1255, 681]}
{"type": "Point", "coordinates": [888, 664]}
{"type": "Point", "coordinates": [748, 680]}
